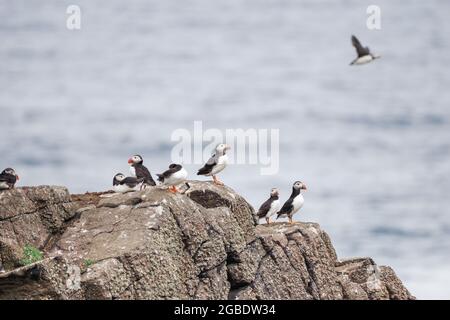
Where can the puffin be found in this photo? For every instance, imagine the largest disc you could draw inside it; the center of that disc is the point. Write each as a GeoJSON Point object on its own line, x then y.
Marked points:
{"type": "Point", "coordinates": [173, 177]}
{"type": "Point", "coordinates": [122, 184]}
{"type": "Point", "coordinates": [270, 206]}
{"type": "Point", "coordinates": [138, 170]}
{"type": "Point", "coordinates": [294, 203]}
{"type": "Point", "coordinates": [8, 179]}
{"type": "Point", "coordinates": [216, 163]}
{"type": "Point", "coordinates": [364, 54]}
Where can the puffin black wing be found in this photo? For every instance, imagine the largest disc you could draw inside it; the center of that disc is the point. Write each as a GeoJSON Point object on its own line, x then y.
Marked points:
{"type": "Point", "coordinates": [8, 178]}
{"type": "Point", "coordinates": [265, 207]}
{"type": "Point", "coordinates": [286, 208]}
{"type": "Point", "coordinates": [209, 165]}
{"type": "Point", "coordinates": [142, 172]}
{"type": "Point", "coordinates": [4, 177]}
{"type": "Point", "coordinates": [207, 168]}
{"type": "Point", "coordinates": [132, 181]}
{"type": "Point", "coordinates": [361, 51]}
{"type": "Point", "coordinates": [166, 174]}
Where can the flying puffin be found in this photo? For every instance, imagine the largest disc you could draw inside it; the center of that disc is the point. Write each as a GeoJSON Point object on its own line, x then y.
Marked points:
{"type": "Point", "coordinates": [216, 163]}
{"type": "Point", "coordinates": [122, 184]}
{"type": "Point", "coordinates": [173, 177]}
{"type": "Point", "coordinates": [270, 206]}
{"type": "Point", "coordinates": [138, 170]}
{"type": "Point", "coordinates": [364, 54]}
{"type": "Point", "coordinates": [294, 203]}
{"type": "Point", "coordinates": [8, 179]}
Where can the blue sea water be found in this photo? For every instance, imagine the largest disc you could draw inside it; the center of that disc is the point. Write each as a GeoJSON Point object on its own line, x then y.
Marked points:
{"type": "Point", "coordinates": [371, 142]}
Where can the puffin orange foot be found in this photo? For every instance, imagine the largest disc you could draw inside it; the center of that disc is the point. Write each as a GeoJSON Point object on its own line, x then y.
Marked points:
{"type": "Point", "coordinates": [217, 181]}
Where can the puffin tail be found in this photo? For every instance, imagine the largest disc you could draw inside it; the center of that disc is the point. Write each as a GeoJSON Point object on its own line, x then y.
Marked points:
{"type": "Point", "coordinates": [279, 213]}
{"type": "Point", "coordinates": [160, 177]}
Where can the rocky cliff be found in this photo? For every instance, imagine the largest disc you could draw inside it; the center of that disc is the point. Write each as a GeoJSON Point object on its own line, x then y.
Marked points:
{"type": "Point", "coordinates": [152, 244]}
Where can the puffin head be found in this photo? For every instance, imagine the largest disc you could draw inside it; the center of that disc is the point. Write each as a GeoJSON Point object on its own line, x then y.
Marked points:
{"type": "Point", "coordinates": [274, 192]}
{"type": "Point", "coordinates": [11, 172]}
{"type": "Point", "coordinates": [174, 165]}
{"type": "Point", "coordinates": [136, 159]}
{"type": "Point", "coordinates": [222, 148]}
{"type": "Point", "coordinates": [119, 177]}
{"type": "Point", "coordinates": [298, 185]}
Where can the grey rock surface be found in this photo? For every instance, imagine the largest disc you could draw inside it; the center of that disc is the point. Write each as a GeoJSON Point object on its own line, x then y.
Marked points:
{"type": "Point", "coordinates": [153, 244]}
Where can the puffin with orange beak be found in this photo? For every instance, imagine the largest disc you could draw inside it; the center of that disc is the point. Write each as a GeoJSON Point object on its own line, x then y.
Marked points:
{"type": "Point", "coordinates": [294, 203]}
{"type": "Point", "coordinates": [122, 184]}
{"type": "Point", "coordinates": [173, 177]}
{"type": "Point", "coordinates": [364, 54]}
{"type": "Point", "coordinates": [216, 163]}
{"type": "Point", "coordinates": [271, 206]}
{"type": "Point", "coordinates": [139, 171]}
{"type": "Point", "coordinates": [8, 179]}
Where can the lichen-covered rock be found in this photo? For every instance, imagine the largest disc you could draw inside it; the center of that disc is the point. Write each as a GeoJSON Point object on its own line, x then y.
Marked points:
{"type": "Point", "coordinates": [362, 278]}
{"type": "Point", "coordinates": [152, 244]}
{"type": "Point", "coordinates": [31, 216]}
